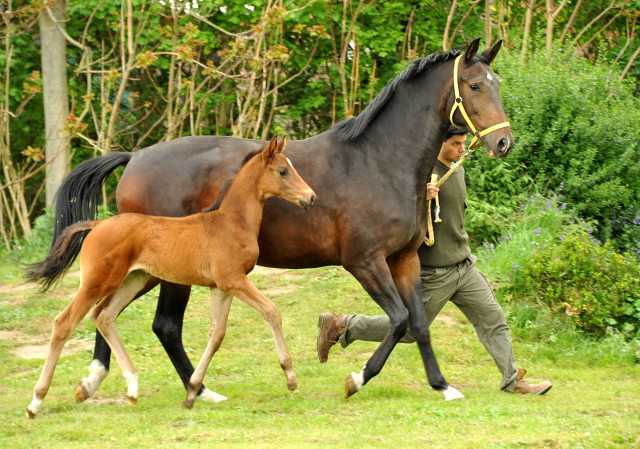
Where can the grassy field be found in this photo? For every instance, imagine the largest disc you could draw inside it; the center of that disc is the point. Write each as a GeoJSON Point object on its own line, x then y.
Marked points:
{"type": "Point", "coordinates": [592, 405]}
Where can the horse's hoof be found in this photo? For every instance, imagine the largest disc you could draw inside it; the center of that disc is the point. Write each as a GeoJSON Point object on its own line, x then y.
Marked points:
{"type": "Point", "coordinates": [187, 403]}
{"type": "Point", "coordinates": [81, 393]}
{"type": "Point", "coordinates": [211, 396]}
{"type": "Point", "coordinates": [293, 387]}
{"type": "Point", "coordinates": [353, 384]}
{"type": "Point", "coordinates": [133, 401]}
{"type": "Point", "coordinates": [451, 394]}
{"type": "Point", "coordinates": [30, 414]}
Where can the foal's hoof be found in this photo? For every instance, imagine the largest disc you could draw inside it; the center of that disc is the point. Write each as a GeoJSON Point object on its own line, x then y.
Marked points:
{"type": "Point", "coordinates": [133, 401]}
{"type": "Point", "coordinates": [353, 384]}
{"type": "Point", "coordinates": [187, 403]}
{"type": "Point", "coordinates": [30, 414]}
{"type": "Point", "coordinates": [81, 393]}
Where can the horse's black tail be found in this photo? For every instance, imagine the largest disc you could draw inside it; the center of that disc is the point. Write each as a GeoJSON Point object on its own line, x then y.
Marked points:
{"type": "Point", "coordinates": [61, 255]}
{"type": "Point", "coordinates": [78, 197]}
{"type": "Point", "coordinates": [77, 200]}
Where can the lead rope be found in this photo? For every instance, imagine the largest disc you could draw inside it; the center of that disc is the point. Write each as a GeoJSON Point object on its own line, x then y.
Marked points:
{"type": "Point", "coordinates": [476, 142]}
{"type": "Point", "coordinates": [429, 239]}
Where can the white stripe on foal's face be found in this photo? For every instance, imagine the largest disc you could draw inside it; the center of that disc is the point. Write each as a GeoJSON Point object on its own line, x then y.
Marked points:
{"type": "Point", "coordinates": [290, 164]}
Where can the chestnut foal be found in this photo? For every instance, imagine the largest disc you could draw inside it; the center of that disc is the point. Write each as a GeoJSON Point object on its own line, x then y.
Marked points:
{"type": "Point", "coordinates": [216, 248]}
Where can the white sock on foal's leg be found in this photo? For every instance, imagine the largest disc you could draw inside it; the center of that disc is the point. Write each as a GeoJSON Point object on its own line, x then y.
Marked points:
{"type": "Point", "coordinates": [132, 386]}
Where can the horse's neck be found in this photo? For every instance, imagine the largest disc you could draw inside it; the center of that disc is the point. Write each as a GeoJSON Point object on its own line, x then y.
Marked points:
{"type": "Point", "coordinates": [243, 200]}
{"type": "Point", "coordinates": [407, 134]}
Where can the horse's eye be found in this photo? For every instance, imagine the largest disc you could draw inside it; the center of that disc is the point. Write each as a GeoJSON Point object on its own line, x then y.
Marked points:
{"type": "Point", "coordinates": [475, 87]}
{"type": "Point", "coordinates": [284, 172]}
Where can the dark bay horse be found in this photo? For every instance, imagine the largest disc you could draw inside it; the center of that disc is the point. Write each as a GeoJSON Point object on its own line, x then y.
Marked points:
{"type": "Point", "coordinates": [370, 173]}
{"type": "Point", "coordinates": [215, 249]}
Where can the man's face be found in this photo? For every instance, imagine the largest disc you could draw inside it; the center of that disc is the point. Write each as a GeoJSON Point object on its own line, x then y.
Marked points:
{"type": "Point", "coordinates": [452, 148]}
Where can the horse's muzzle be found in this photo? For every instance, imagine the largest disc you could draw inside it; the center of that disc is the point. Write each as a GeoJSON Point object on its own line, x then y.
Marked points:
{"type": "Point", "coordinates": [308, 202]}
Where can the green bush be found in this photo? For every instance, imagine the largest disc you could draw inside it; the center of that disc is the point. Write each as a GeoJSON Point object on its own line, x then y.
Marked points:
{"type": "Point", "coordinates": [587, 281]}
{"type": "Point", "coordinates": [575, 128]}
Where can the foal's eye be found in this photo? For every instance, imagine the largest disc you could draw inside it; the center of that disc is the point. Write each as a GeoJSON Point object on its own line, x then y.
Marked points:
{"type": "Point", "coordinates": [284, 172]}
{"type": "Point", "coordinates": [475, 87]}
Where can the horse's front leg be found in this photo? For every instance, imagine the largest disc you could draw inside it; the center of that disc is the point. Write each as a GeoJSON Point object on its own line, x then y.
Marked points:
{"type": "Point", "coordinates": [243, 289]}
{"type": "Point", "coordinates": [376, 279]}
{"type": "Point", "coordinates": [220, 305]}
{"type": "Point", "coordinates": [406, 275]}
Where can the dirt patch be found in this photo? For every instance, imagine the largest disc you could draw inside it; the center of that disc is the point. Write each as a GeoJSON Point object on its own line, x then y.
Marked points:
{"type": "Point", "coordinates": [33, 348]}
{"type": "Point", "coordinates": [17, 288]}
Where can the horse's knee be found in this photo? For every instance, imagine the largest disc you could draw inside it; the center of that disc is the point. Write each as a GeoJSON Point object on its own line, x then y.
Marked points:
{"type": "Point", "coordinates": [398, 325]}
{"type": "Point", "coordinates": [272, 316]}
{"type": "Point", "coordinates": [166, 327]}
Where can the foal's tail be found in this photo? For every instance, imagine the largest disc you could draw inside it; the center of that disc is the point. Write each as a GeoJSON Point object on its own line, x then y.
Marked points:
{"type": "Point", "coordinates": [77, 200]}
{"type": "Point", "coordinates": [61, 255]}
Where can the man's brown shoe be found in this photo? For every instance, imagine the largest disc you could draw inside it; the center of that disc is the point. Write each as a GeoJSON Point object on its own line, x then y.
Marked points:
{"type": "Point", "coordinates": [524, 387]}
{"type": "Point", "coordinates": [331, 327]}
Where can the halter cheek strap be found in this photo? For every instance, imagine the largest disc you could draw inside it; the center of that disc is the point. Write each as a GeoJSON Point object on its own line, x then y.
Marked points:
{"type": "Point", "coordinates": [475, 141]}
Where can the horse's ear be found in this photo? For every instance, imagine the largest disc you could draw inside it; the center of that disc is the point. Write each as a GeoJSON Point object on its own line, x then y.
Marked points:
{"type": "Point", "coordinates": [281, 145]}
{"type": "Point", "coordinates": [271, 149]}
{"type": "Point", "coordinates": [491, 53]}
{"type": "Point", "coordinates": [472, 49]}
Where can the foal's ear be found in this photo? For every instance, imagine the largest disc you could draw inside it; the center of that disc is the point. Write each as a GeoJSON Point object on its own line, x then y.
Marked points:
{"type": "Point", "coordinates": [472, 49]}
{"type": "Point", "coordinates": [281, 145]}
{"type": "Point", "coordinates": [271, 149]}
{"type": "Point", "coordinates": [491, 53]}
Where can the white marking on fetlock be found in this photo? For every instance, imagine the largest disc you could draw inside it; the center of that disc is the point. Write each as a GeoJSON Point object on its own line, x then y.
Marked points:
{"type": "Point", "coordinates": [358, 379]}
{"type": "Point", "coordinates": [211, 396]}
{"type": "Point", "coordinates": [132, 384]}
{"type": "Point", "coordinates": [451, 393]}
{"type": "Point", "coordinates": [97, 373]}
{"type": "Point", "coordinates": [35, 405]}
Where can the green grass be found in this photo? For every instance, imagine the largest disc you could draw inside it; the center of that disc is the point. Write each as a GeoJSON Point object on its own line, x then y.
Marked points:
{"type": "Point", "coordinates": [592, 405]}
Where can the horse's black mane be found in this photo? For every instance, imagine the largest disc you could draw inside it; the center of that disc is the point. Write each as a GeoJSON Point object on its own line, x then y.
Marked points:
{"type": "Point", "coordinates": [352, 128]}
{"type": "Point", "coordinates": [227, 183]}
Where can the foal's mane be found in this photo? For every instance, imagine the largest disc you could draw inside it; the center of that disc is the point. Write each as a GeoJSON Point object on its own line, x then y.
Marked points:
{"type": "Point", "coordinates": [227, 183]}
{"type": "Point", "coordinates": [353, 128]}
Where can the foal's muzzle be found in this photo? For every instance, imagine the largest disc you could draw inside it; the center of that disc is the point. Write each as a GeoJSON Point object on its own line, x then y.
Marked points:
{"type": "Point", "coordinates": [308, 201]}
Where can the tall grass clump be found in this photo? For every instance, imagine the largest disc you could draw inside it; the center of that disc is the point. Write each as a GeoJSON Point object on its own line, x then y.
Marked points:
{"type": "Point", "coordinates": [560, 286]}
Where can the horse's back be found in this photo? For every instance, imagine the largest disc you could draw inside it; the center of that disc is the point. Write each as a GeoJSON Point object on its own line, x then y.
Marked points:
{"type": "Point", "coordinates": [181, 176]}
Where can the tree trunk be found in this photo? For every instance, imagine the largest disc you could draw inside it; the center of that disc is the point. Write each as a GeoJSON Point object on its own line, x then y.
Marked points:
{"type": "Point", "coordinates": [54, 88]}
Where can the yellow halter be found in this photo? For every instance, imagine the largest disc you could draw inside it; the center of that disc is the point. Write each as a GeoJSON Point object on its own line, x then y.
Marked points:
{"type": "Point", "coordinates": [475, 141]}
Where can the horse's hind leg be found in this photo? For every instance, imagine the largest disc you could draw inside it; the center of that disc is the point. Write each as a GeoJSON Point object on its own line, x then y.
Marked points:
{"type": "Point", "coordinates": [220, 305]}
{"type": "Point", "coordinates": [99, 368]}
{"type": "Point", "coordinates": [63, 326]}
{"type": "Point", "coordinates": [104, 317]}
{"type": "Point", "coordinates": [406, 275]}
{"type": "Point", "coordinates": [375, 277]}
{"type": "Point", "coordinates": [247, 292]}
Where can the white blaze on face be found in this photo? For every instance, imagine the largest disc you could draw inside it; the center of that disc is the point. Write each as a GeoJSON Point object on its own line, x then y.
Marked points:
{"type": "Point", "coordinates": [489, 77]}
{"type": "Point", "coordinates": [290, 164]}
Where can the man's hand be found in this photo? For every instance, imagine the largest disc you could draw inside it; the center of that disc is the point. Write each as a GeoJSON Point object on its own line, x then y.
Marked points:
{"type": "Point", "coordinates": [432, 191]}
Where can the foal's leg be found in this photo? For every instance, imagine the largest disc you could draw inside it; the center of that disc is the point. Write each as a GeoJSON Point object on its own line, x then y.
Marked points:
{"type": "Point", "coordinates": [220, 305]}
{"type": "Point", "coordinates": [243, 289]}
{"type": "Point", "coordinates": [406, 275]}
{"type": "Point", "coordinates": [63, 326]}
{"type": "Point", "coordinates": [99, 368]}
{"type": "Point", "coordinates": [104, 316]}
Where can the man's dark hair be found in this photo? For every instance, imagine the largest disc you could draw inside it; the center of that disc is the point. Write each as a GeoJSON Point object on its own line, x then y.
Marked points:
{"type": "Point", "coordinates": [453, 131]}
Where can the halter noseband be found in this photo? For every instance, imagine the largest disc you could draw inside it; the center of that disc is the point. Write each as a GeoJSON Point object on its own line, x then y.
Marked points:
{"type": "Point", "coordinates": [475, 141]}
